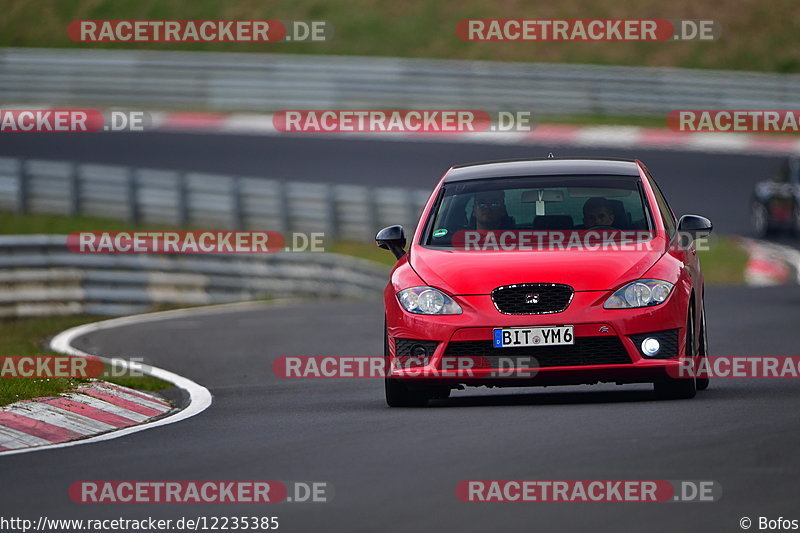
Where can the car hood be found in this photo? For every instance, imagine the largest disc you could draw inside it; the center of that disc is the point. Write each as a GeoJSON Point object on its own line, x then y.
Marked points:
{"type": "Point", "coordinates": [479, 272]}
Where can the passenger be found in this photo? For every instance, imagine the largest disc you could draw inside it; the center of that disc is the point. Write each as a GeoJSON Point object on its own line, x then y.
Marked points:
{"type": "Point", "coordinates": [597, 211]}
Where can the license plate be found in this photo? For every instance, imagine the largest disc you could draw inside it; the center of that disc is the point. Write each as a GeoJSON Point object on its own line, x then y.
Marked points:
{"type": "Point", "coordinates": [543, 336]}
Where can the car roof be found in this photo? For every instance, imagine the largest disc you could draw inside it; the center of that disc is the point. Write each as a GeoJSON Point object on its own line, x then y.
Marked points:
{"type": "Point", "coordinates": [542, 167]}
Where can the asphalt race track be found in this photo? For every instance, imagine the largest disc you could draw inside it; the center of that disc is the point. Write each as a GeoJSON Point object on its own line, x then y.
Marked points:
{"type": "Point", "coordinates": [715, 185]}
{"type": "Point", "coordinates": [397, 469]}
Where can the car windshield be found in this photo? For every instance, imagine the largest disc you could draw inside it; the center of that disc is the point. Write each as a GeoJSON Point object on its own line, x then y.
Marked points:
{"type": "Point", "coordinates": [551, 203]}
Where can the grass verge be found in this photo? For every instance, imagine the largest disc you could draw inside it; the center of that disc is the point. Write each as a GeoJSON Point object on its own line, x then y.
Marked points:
{"type": "Point", "coordinates": [756, 35]}
{"type": "Point", "coordinates": [26, 336]}
{"type": "Point", "coordinates": [364, 251]}
{"type": "Point", "coordinates": [724, 262]}
{"type": "Point", "coordinates": [14, 224]}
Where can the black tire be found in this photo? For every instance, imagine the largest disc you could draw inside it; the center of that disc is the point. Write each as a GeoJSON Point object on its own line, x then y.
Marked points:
{"type": "Point", "coordinates": [397, 393]}
{"type": "Point", "coordinates": [795, 229]}
{"type": "Point", "coordinates": [670, 388]}
{"type": "Point", "coordinates": [759, 217]}
{"type": "Point", "coordinates": [703, 383]}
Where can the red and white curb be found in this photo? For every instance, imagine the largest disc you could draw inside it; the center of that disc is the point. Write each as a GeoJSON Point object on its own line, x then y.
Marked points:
{"type": "Point", "coordinates": [557, 134]}
{"type": "Point", "coordinates": [770, 263]}
{"type": "Point", "coordinates": [94, 408]}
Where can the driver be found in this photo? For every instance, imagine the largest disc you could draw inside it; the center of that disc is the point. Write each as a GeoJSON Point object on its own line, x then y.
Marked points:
{"type": "Point", "coordinates": [489, 210]}
{"type": "Point", "coordinates": [597, 211]}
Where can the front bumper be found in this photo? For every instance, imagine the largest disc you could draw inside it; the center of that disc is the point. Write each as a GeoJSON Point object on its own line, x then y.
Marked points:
{"type": "Point", "coordinates": [604, 349]}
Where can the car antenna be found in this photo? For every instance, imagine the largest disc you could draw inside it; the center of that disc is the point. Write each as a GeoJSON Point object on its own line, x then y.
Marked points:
{"type": "Point", "coordinates": [550, 156]}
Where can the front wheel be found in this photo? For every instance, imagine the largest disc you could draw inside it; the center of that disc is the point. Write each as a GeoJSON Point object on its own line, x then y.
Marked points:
{"type": "Point", "coordinates": [796, 220]}
{"type": "Point", "coordinates": [759, 217]}
{"type": "Point", "coordinates": [675, 389]}
{"type": "Point", "coordinates": [399, 395]}
{"type": "Point", "coordinates": [702, 383]}
{"type": "Point", "coordinates": [670, 388]}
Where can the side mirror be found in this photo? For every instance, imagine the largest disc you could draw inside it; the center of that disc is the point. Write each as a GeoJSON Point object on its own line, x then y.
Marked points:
{"type": "Point", "coordinates": [695, 226]}
{"type": "Point", "coordinates": [393, 239]}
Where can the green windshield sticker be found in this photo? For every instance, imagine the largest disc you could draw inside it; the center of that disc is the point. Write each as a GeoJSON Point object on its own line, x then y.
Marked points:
{"type": "Point", "coordinates": [440, 233]}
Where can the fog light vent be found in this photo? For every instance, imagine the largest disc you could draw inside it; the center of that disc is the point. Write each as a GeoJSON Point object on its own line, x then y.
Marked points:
{"type": "Point", "coordinates": [657, 344]}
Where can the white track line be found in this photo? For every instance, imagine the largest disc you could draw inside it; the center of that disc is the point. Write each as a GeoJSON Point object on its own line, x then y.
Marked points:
{"type": "Point", "coordinates": [199, 397]}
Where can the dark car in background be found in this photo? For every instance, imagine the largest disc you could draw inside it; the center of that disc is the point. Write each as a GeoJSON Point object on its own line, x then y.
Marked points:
{"type": "Point", "coordinates": [775, 205]}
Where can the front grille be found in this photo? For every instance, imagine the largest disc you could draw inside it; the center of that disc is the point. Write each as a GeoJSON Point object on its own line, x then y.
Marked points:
{"type": "Point", "coordinates": [585, 351]}
{"type": "Point", "coordinates": [532, 298]}
{"type": "Point", "coordinates": [668, 340]}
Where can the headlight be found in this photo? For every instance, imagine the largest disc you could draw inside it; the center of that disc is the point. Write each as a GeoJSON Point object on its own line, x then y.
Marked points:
{"type": "Point", "coordinates": [427, 301]}
{"type": "Point", "coordinates": [639, 293]}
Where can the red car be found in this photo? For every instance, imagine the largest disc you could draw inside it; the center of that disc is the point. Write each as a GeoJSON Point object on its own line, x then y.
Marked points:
{"type": "Point", "coordinates": [544, 272]}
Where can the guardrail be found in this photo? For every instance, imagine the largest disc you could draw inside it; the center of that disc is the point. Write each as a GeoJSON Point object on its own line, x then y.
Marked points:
{"type": "Point", "coordinates": [268, 82]}
{"type": "Point", "coordinates": [39, 276]}
{"type": "Point", "coordinates": [193, 199]}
